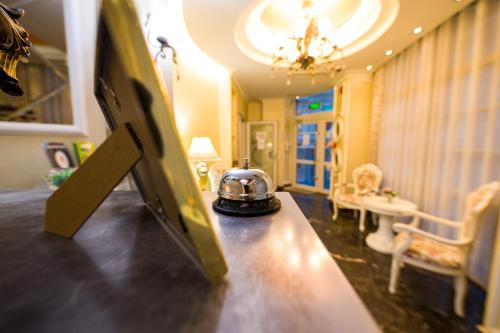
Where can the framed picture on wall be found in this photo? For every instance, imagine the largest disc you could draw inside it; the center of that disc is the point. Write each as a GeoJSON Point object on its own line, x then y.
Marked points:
{"type": "Point", "coordinates": [58, 155]}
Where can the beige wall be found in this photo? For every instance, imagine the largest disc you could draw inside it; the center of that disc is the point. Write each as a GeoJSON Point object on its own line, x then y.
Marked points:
{"type": "Point", "coordinates": [356, 110]}
{"type": "Point", "coordinates": [196, 107]}
{"type": "Point", "coordinates": [238, 107]}
{"type": "Point", "coordinates": [241, 103]}
{"type": "Point", "coordinates": [23, 162]}
{"type": "Point", "coordinates": [275, 109]}
{"type": "Point", "coordinates": [254, 111]}
{"type": "Point", "coordinates": [202, 94]}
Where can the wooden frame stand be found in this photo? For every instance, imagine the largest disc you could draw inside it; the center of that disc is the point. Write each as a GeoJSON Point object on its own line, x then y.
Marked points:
{"type": "Point", "coordinates": [75, 201]}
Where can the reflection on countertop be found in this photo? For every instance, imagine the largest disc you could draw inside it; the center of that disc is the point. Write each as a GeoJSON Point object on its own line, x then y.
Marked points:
{"type": "Point", "coordinates": [122, 273]}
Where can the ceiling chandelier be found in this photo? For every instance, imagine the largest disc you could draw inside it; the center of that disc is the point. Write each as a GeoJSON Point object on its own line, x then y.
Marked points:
{"type": "Point", "coordinates": [310, 50]}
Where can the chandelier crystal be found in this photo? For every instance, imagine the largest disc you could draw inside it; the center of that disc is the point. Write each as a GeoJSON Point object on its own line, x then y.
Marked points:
{"type": "Point", "coordinates": [311, 49]}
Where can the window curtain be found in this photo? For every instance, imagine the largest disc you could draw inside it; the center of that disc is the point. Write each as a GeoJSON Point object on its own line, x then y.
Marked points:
{"type": "Point", "coordinates": [436, 120]}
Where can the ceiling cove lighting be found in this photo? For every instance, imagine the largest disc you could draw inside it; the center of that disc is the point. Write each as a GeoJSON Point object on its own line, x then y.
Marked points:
{"type": "Point", "coordinates": [388, 52]}
{"type": "Point", "coordinates": [417, 30]}
{"type": "Point", "coordinates": [369, 67]}
{"type": "Point", "coordinates": [311, 49]}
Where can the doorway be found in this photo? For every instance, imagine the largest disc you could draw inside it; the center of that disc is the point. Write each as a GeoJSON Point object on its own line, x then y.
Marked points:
{"type": "Point", "coordinates": [313, 155]}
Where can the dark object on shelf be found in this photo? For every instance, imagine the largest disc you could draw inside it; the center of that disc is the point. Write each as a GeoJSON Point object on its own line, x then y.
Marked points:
{"type": "Point", "coordinates": [246, 192]}
{"type": "Point", "coordinates": [14, 45]}
{"type": "Point", "coordinates": [58, 155]}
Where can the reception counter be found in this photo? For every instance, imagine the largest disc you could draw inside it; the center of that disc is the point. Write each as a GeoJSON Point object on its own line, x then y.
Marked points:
{"type": "Point", "coordinates": [122, 273]}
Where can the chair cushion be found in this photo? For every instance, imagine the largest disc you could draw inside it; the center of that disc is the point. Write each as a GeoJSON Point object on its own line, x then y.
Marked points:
{"type": "Point", "coordinates": [349, 198]}
{"type": "Point", "coordinates": [431, 251]}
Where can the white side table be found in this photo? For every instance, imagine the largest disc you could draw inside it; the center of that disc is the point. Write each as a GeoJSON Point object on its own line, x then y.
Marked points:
{"type": "Point", "coordinates": [383, 239]}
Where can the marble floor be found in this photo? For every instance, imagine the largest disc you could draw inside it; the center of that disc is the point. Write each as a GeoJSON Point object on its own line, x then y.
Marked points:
{"type": "Point", "coordinates": [424, 302]}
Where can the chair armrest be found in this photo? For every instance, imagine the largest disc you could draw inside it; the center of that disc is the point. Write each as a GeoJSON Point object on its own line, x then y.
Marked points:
{"type": "Point", "coordinates": [367, 192]}
{"type": "Point", "coordinates": [344, 185]}
{"type": "Point", "coordinates": [341, 188]}
{"type": "Point", "coordinates": [435, 219]}
{"type": "Point", "coordinates": [399, 227]}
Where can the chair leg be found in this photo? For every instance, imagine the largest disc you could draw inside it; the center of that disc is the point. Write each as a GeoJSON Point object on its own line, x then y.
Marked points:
{"type": "Point", "coordinates": [355, 214]}
{"type": "Point", "coordinates": [460, 292]}
{"type": "Point", "coordinates": [335, 211]}
{"type": "Point", "coordinates": [362, 217]}
{"type": "Point", "coordinates": [374, 218]}
{"type": "Point", "coordinates": [395, 268]}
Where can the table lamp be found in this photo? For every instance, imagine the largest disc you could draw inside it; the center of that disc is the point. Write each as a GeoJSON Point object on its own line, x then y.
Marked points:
{"type": "Point", "coordinates": [201, 151]}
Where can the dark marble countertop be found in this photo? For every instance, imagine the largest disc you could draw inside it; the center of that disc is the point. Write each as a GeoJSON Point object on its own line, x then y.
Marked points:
{"type": "Point", "coordinates": [122, 273]}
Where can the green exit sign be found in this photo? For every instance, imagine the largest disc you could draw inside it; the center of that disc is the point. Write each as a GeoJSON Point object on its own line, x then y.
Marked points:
{"type": "Point", "coordinates": [314, 106]}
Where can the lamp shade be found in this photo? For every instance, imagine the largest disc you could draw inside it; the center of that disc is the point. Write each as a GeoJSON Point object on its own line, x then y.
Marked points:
{"type": "Point", "coordinates": [202, 149]}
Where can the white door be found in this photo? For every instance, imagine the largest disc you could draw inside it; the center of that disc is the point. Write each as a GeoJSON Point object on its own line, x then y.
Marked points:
{"type": "Point", "coordinates": [313, 155]}
{"type": "Point", "coordinates": [262, 146]}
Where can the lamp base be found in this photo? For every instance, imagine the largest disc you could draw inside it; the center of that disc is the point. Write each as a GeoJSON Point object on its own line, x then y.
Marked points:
{"type": "Point", "coordinates": [202, 176]}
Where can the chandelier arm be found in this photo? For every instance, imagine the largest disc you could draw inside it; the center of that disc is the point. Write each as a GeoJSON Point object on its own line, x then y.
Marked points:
{"type": "Point", "coordinates": [307, 53]}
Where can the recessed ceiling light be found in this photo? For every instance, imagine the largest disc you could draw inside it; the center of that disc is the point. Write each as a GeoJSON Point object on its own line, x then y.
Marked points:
{"type": "Point", "coordinates": [369, 67]}
{"type": "Point", "coordinates": [417, 30]}
{"type": "Point", "coordinates": [388, 52]}
{"type": "Point", "coordinates": [458, 0]}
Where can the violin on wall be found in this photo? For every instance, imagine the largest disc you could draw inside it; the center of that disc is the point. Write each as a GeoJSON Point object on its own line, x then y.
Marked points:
{"type": "Point", "coordinates": [14, 46]}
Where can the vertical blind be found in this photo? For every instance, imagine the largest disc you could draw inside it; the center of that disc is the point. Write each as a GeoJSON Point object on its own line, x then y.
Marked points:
{"type": "Point", "coordinates": [436, 119]}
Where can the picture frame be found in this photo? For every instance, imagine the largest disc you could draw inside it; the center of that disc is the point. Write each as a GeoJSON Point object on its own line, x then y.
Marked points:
{"type": "Point", "coordinates": [58, 155]}
{"type": "Point", "coordinates": [144, 140]}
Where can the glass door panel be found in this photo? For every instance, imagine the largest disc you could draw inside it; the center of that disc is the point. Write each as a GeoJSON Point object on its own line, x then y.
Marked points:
{"type": "Point", "coordinates": [306, 141]}
{"type": "Point", "coordinates": [305, 173]}
{"type": "Point", "coordinates": [328, 126]}
{"type": "Point", "coordinates": [328, 141]}
{"type": "Point", "coordinates": [326, 178]}
{"type": "Point", "coordinates": [313, 155]}
{"type": "Point", "coordinates": [261, 140]}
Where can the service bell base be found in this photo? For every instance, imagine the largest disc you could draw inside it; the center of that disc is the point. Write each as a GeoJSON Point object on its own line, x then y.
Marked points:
{"type": "Point", "coordinates": [246, 208]}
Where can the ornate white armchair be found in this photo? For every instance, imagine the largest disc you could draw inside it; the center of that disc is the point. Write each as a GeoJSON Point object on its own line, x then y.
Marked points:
{"type": "Point", "coordinates": [438, 254]}
{"type": "Point", "coordinates": [367, 179]}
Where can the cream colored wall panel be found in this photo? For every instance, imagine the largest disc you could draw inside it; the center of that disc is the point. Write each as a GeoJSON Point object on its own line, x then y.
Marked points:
{"type": "Point", "coordinates": [275, 109]}
{"type": "Point", "coordinates": [254, 111]}
{"type": "Point", "coordinates": [356, 106]}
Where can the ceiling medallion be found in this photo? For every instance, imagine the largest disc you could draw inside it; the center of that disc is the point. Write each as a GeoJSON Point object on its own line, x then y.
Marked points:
{"type": "Point", "coordinates": [311, 50]}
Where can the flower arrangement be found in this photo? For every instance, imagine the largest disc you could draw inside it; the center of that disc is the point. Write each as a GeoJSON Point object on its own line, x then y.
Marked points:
{"type": "Point", "coordinates": [389, 193]}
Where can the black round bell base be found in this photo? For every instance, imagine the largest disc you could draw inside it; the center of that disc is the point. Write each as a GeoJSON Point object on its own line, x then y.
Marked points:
{"type": "Point", "coordinates": [246, 208]}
